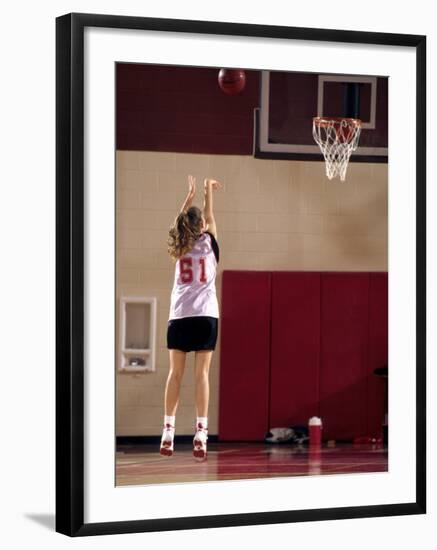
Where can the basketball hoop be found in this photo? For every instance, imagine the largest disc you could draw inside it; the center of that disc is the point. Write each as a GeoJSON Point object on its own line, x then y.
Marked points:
{"type": "Point", "coordinates": [337, 139]}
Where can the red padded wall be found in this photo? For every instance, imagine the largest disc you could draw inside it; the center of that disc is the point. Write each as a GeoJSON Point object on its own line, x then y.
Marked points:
{"type": "Point", "coordinates": [378, 351]}
{"type": "Point", "coordinates": [244, 355]}
{"type": "Point", "coordinates": [344, 354]}
{"type": "Point", "coordinates": [296, 344]}
{"type": "Point", "coordinates": [295, 350]}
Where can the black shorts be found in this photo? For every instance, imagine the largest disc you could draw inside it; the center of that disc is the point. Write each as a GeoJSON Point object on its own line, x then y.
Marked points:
{"type": "Point", "coordinates": [192, 333]}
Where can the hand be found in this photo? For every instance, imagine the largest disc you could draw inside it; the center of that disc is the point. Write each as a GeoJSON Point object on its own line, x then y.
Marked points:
{"type": "Point", "coordinates": [191, 186]}
{"type": "Point", "coordinates": [213, 183]}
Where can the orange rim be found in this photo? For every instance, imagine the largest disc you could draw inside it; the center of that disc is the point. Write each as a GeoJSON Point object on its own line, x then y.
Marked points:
{"type": "Point", "coordinates": [324, 122]}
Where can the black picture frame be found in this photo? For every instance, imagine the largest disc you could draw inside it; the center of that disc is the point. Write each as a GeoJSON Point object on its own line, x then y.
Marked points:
{"type": "Point", "coordinates": [70, 273]}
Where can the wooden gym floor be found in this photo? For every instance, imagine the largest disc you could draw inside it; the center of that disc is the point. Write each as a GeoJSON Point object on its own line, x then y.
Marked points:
{"type": "Point", "coordinates": [143, 465]}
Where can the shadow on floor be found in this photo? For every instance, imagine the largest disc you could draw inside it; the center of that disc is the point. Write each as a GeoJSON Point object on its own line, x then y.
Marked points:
{"type": "Point", "coordinates": [46, 520]}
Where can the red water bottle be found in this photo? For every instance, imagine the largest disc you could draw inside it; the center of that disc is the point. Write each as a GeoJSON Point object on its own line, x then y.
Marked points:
{"type": "Point", "coordinates": [315, 430]}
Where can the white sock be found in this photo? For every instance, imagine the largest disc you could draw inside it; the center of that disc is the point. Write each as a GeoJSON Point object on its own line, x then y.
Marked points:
{"type": "Point", "coordinates": [168, 433]}
{"type": "Point", "coordinates": [169, 420]}
{"type": "Point", "coordinates": [202, 420]}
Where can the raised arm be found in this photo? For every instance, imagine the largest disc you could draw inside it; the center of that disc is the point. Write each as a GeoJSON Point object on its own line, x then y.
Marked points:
{"type": "Point", "coordinates": [209, 186]}
{"type": "Point", "coordinates": [190, 196]}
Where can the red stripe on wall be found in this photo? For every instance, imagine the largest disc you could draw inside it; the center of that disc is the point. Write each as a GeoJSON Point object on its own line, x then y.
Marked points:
{"type": "Point", "coordinates": [295, 353]}
{"type": "Point", "coordinates": [244, 356]}
{"type": "Point", "coordinates": [183, 109]}
{"type": "Point", "coordinates": [344, 325]}
{"type": "Point", "coordinates": [378, 350]}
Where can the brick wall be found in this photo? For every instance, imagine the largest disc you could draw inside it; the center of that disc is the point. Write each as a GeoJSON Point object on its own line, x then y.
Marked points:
{"type": "Point", "coordinates": [271, 215]}
{"type": "Point", "coordinates": [183, 110]}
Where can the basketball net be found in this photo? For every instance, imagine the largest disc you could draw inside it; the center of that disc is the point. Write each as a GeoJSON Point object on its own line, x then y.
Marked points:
{"type": "Point", "coordinates": [337, 139]}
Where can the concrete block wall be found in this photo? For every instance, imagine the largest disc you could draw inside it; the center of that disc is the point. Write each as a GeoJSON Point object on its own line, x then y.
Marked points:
{"type": "Point", "coordinates": [271, 215]}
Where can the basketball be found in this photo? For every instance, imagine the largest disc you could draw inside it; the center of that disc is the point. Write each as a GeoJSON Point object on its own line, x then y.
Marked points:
{"type": "Point", "coordinates": [232, 81]}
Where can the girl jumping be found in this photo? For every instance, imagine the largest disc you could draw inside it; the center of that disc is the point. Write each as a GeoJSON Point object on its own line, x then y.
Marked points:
{"type": "Point", "coordinates": [194, 312]}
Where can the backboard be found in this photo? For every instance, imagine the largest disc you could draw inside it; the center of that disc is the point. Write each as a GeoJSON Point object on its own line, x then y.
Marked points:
{"type": "Point", "coordinates": [290, 100]}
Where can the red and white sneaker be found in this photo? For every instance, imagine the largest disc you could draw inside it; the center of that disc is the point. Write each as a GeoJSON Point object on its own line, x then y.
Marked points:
{"type": "Point", "coordinates": [167, 440]}
{"type": "Point", "coordinates": [199, 442]}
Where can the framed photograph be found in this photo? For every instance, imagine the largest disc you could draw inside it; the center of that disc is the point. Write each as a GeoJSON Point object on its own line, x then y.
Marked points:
{"type": "Point", "coordinates": [241, 218]}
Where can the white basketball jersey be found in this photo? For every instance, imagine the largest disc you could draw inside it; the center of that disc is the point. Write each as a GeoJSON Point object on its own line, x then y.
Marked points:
{"type": "Point", "coordinates": [194, 292]}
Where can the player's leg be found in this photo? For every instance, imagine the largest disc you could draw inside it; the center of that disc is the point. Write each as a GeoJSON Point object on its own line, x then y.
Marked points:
{"type": "Point", "coordinates": [171, 399]}
{"type": "Point", "coordinates": [202, 365]}
{"type": "Point", "coordinates": [174, 379]}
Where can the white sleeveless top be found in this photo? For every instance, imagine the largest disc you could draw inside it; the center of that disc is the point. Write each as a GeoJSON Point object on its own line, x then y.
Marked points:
{"type": "Point", "coordinates": [194, 292]}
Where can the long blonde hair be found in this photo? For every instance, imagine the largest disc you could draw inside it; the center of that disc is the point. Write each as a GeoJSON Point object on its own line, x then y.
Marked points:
{"type": "Point", "coordinates": [184, 232]}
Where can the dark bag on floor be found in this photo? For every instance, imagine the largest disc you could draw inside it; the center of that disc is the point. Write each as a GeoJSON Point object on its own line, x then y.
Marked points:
{"type": "Point", "coordinates": [292, 434]}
